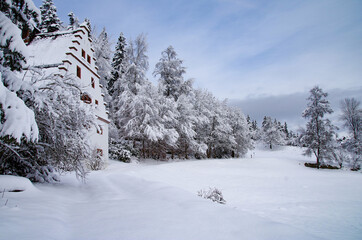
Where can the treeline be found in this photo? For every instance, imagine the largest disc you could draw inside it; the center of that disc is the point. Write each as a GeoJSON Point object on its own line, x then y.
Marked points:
{"type": "Point", "coordinates": [169, 120]}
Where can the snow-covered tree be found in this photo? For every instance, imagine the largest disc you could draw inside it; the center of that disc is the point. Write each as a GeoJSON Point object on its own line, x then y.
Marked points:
{"type": "Point", "coordinates": [18, 128]}
{"type": "Point", "coordinates": [171, 71]}
{"type": "Point", "coordinates": [64, 122]}
{"type": "Point", "coordinates": [352, 119]}
{"type": "Point", "coordinates": [24, 15]}
{"type": "Point", "coordinates": [240, 132]}
{"type": "Point", "coordinates": [271, 132]}
{"type": "Point", "coordinates": [102, 52]}
{"type": "Point", "coordinates": [119, 67]}
{"type": "Point", "coordinates": [16, 119]}
{"type": "Point", "coordinates": [319, 132]}
{"type": "Point", "coordinates": [50, 21]}
{"type": "Point", "coordinates": [135, 114]}
{"type": "Point", "coordinates": [73, 21]}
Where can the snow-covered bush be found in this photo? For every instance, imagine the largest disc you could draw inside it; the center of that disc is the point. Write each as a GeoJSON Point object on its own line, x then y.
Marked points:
{"type": "Point", "coordinates": [95, 162]}
{"type": "Point", "coordinates": [64, 122]}
{"type": "Point", "coordinates": [213, 194]}
{"type": "Point", "coordinates": [120, 154]}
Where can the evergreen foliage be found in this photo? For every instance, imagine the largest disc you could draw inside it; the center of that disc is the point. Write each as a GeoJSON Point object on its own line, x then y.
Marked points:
{"type": "Point", "coordinates": [50, 21]}
{"type": "Point", "coordinates": [119, 66]}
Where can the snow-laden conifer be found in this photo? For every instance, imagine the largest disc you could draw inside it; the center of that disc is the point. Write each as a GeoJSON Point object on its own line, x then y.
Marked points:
{"type": "Point", "coordinates": [319, 132]}
{"type": "Point", "coordinates": [118, 65]}
{"type": "Point", "coordinates": [50, 21]}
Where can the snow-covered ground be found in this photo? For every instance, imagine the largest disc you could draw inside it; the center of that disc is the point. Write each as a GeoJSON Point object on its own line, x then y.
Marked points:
{"type": "Point", "coordinates": [269, 196]}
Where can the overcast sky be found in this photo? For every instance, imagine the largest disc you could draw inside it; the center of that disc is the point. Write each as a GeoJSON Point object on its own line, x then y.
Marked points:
{"type": "Point", "coordinates": [262, 55]}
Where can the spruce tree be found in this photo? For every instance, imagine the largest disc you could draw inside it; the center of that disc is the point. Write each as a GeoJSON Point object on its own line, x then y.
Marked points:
{"type": "Point", "coordinates": [73, 21]}
{"type": "Point", "coordinates": [319, 132]}
{"type": "Point", "coordinates": [118, 65]}
{"type": "Point", "coordinates": [50, 21]}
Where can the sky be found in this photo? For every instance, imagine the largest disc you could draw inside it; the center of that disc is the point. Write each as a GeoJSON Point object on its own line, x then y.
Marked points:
{"type": "Point", "coordinates": [264, 56]}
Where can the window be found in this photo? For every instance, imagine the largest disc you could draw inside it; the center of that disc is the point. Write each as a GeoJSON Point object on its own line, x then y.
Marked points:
{"type": "Point", "coordinates": [83, 53]}
{"type": "Point", "coordinates": [100, 130]}
{"type": "Point", "coordinates": [88, 59]}
{"type": "Point", "coordinates": [96, 101]}
{"type": "Point", "coordinates": [79, 72]}
{"type": "Point", "coordinates": [100, 152]}
{"type": "Point", "coordinates": [85, 98]}
{"type": "Point", "coordinates": [93, 83]}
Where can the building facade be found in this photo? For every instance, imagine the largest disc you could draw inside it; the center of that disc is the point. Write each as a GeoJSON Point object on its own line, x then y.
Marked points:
{"type": "Point", "coordinates": [71, 52]}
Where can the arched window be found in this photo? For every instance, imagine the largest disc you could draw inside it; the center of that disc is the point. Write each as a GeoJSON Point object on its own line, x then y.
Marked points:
{"type": "Point", "coordinates": [85, 98]}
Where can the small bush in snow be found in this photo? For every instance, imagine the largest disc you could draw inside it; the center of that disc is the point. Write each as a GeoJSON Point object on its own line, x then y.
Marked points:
{"type": "Point", "coordinates": [95, 162]}
{"type": "Point", "coordinates": [212, 193]}
{"type": "Point", "coordinates": [122, 155]}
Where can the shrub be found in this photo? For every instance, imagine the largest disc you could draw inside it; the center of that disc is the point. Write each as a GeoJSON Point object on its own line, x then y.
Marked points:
{"type": "Point", "coordinates": [213, 194]}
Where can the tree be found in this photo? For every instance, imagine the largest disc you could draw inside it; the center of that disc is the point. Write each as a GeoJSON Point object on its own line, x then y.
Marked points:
{"type": "Point", "coordinates": [102, 52]}
{"type": "Point", "coordinates": [64, 122]}
{"type": "Point", "coordinates": [16, 119]}
{"type": "Point", "coordinates": [135, 113]}
{"type": "Point", "coordinates": [271, 132]}
{"type": "Point", "coordinates": [73, 21]}
{"type": "Point", "coordinates": [50, 21]}
{"type": "Point", "coordinates": [171, 73]}
{"type": "Point", "coordinates": [18, 128]}
{"type": "Point", "coordinates": [241, 133]}
{"type": "Point", "coordinates": [319, 132]}
{"type": "Point", "coordinates": [24, 15]}
{"type": "Point", "coordinates": [119, 67]}
{"type": "Point", "coordinates": [352, 118]}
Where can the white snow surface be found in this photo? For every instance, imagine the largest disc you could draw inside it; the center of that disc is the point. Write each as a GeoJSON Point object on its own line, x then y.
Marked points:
{"type": "Point", "coordinates": [269, 196]}
{"type": "Point", "coordinates": [50, 50]}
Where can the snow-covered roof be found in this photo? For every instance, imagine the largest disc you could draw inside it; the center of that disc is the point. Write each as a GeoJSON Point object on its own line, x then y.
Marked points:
{"type": "Point", "coordinates": [49, 50]}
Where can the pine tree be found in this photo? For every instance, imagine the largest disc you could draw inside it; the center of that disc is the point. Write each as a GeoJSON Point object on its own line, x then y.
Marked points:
{"type": "Point", "coordinates": [319, 132]}
{"type": "Point", "coordinates": [50, 21]}
{"type": "Point", "coordinates": [18, 128]}
{"type": "Point", "coordinates": [118, 66]}
{"type": "Point", "coordinates": [16, 119]}
{"type": "Point", "coordinates": [73, 21]}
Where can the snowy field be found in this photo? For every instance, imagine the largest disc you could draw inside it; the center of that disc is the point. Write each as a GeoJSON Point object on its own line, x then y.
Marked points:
{"type": "Point", "coordinates": [269, 196]}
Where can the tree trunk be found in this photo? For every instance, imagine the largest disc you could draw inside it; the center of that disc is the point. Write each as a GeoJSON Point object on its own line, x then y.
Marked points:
{"type": "Point", "coordinates": [143, 149]}
{"type": "Point", "coordinates": [187, 157]}
{"type": "Point", "coordinates": [318, 158]}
